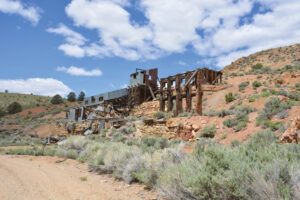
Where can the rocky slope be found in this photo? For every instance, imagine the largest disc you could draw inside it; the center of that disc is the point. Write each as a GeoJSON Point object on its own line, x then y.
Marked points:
{"type": "Point", "coordinates": [274, 58]}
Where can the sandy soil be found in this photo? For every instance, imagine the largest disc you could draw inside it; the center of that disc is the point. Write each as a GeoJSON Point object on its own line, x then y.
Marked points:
{"type": "Point", "coordinates": [28, 177]}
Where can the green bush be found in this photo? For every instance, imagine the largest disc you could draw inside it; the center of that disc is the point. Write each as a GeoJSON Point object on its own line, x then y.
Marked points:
{"type": "Point", "coordinates": [57, 99]}
{"type": "Point", "coordinates": [208, 131]}
{"type": "Point", "coordinates": [240, 126]}
{"type": "Point", "coordinates": [2, 112]}
{"type": "Point", "coordinates": [230, 122]}
{"type": "Point", "coordinates": [229, 97]}
{"type": "Point", "coordinates": [297, 85]}
{"type": "Point", "coordinates": [14, 107]}
{"type": "Point", "coordinates": [256, 84]}
{"type": "Point", "coordinates": [71, 97]}
{"type": "Point", "coordinates": [272, 125]}
{"type": "Point", "coordinates": [81, 96]}
{"type": "Point", "coordinates": [257, 66]}
{"type": "Point", "coordinates": [272, 107]}
{"type": "Point", "coordinates": [243, 85]}
{"type": "Point", "coordinates": [161, 115]}
{"type": "Point", "coordinates": [251, 99]}
{"type": "Point", "coordinates": [294, 96]}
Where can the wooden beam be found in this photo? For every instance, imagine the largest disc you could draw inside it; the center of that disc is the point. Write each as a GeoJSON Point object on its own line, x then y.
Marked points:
{"type": "Point", "coordinates": [169, 93]}
{"type": "Point", "coordinates": [190, 78]}
{"type": "Point", "coordinates": [152, 94]}
{"type": "Point", "coordinates": [178, 94]}
{"type": "Point", "coordinates": [188, 91]}
{"type": "Point", "coordinates": [199, 93]}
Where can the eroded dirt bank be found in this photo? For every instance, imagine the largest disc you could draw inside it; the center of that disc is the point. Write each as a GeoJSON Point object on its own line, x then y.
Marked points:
{"type": "Point", "coordinates": [38, 178]}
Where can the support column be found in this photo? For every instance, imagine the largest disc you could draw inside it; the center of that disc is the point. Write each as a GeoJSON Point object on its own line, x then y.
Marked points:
{"type": "Point", "coordinates": [170, 94]}
{"type": "Point", "coordinates": [178, 95]}
{"type": "Point", "coordinates": [188, 89]}
{"type": "Point", "coordinates": [161, 100]}
{"type": "Point", "coordinates": [199, 93]}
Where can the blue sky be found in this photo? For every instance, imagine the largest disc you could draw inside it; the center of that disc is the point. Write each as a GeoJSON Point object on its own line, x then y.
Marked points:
{"type": "Point", "coordinates": [49, 47]}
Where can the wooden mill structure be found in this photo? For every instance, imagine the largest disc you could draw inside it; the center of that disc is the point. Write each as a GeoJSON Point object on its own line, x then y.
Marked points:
{"type": "Point", "coordinates": [187, 85]}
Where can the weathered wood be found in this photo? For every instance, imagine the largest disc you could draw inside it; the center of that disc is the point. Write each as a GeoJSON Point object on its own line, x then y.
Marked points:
{"type": "Point", "coordinates": [162, 101]}
{"type": "Point", "coordinates": [178, 94]}
{"type": "Point", "coordinates": [199, 93]}
{"type": "Point", "coordinates": [188, 91]}
{"type": "Point", "coordinates": [169, 93]}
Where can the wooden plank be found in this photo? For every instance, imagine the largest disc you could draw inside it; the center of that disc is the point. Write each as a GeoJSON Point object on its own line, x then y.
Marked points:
{"type": "Point", "coordinates": [162, 101]}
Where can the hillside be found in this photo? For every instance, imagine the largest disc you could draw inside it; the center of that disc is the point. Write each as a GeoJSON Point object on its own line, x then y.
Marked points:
{"type": "Point", "coordinates": [26, 100]}
{"type": "Point", "coordinates": [274, 58]}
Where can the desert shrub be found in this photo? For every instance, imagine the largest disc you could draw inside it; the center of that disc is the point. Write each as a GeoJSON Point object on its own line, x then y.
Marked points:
{"type": "Point", "coordinates": [223, 113]}
{"type": "Point", "coordinates": [240, 126]}
{"type": "Point", "coordinates": [14, 107]}
{"type": "Point", "coordinates": [294, 96]}
{"type": "Point", "coordinates": [2, 112]}
{"type": "Point", "coordinates": [297, 85]}
{"type": "Point", "coordinates": [229, 97]}
{"type": "Point", "coordinates": [243, 85]}
{"type": "Point", "coordinates": [272, 107]}
{"type": "Point", "coordinates": [251, 99]}
{"type": "Point", "coordinates": [160, 115]}
{"type": "Point", "coordinates": [211, 113]}
{"type": "Point", "coordinates": [257, 66]}
{"type": "Point", "coordinates": [123, 160]}
{"type": "Point", "coordinates": [272, 125]}
{"type": "Point", "coordinates": [256, 84]}
{"type": "Point", "coordinates": [283, 114]}
{"type": "Point", "coordinates": [282, 93]}
{"type": "Point", "coordinates": [184, 114]}
{"type": "Point", "coordinates": [57, 99]}
{"type": "Point", "coordinates": [75, 142]}
{"type": "Point", "coordinates": [230, 122]}
{"type": "Point", "coordinates": [235, 143]}
{"type": "Point", "coordinates": [208, 131]}
{"type": "Point", "coordinates": [71, 97]}
{"type": "Point", "coordinates": [156, 163]}
{"type": "Point", "coordinates": [127, 129]}
{"type": "Point", "coordinates": [273, 92]}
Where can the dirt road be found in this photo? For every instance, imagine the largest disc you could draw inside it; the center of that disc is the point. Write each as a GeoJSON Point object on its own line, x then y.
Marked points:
{"type": "Point", "coordinates": [39, 178]}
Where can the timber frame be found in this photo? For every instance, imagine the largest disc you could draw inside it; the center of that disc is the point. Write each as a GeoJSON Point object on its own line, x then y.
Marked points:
{"type": "Point", "coordinates": [193, 81]}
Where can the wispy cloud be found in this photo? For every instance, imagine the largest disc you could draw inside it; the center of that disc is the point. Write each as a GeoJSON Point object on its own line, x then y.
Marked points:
{"type": "Point", "coordinates": [30, 13]}
{"type": "Point", "coordinates": [40, 86]}
{"type": "Point", "coordinates": [70, 35]}
{"type": "Point", "coordinates": [76, 71]}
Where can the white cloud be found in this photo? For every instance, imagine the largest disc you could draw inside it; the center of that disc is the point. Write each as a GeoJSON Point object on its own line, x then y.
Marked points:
{"type": "Point", "coordinates": [31, 13]}
{"type": "Point", "coordinates": [71, 36]}
{"type": "Point", "coordinates": [213, 29]}
{"type": "Point", "coordinates": [40, 86]}
{"type": "Point", "coordinates": [76, 71]}
{"type": "Point", "coordinates": [72, 50]}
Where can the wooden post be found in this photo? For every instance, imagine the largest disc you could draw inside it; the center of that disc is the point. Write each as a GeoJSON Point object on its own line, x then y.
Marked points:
{"type": "Point", "coordinates": [221, 77]}
{"type": "Point", "coordinates": [199, 92]}
{"type": "Point", "coordinates": [178, 94]}
{"type": "Point", "coordinates": [162, 101]}
{"type": "Point", "coordinates": [169, 93]}
{"type": "Point", "coordinates": [188, 93]}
